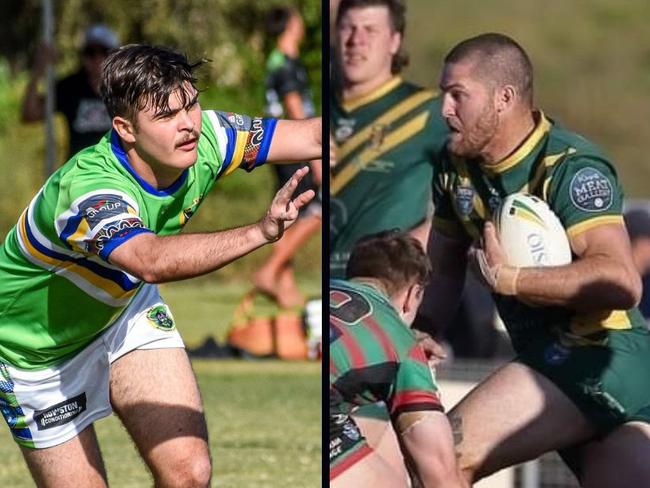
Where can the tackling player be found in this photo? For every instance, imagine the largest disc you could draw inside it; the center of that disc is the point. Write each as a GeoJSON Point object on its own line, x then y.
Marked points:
{"type": "Point", "coordinates": [83, 329]}
{"type": "Point", "coordinates": [374, 357]}
{"type": "Point", "coordinates": [387, 131]}
{"type": "Point", "coordinates": [579, 382]}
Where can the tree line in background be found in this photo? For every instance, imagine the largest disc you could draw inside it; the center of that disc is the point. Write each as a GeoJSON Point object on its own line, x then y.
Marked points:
{"type": "Point", "coordinates": [228, 32]}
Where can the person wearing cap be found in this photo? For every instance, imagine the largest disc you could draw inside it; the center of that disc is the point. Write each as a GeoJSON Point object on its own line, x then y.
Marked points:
{"type": "Point", "coordinates": [637, 222]}
{"type": "Point", "coordinates": [77, 95]}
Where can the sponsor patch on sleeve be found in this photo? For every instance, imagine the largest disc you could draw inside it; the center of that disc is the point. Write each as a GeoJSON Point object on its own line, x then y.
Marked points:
{"type": "Point", "coordinates": [99, 223]}
{"type": "Point", "coordinates": [591, 190]}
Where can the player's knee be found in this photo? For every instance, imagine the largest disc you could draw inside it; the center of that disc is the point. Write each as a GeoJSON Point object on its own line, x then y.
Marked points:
{"type": "Point", "coordinates": [189, 472]}
{"type": "Point", "coordinates": [469, 466]}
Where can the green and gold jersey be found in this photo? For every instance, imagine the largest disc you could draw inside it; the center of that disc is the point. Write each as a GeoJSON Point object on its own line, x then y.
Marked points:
{"type": "Point", "coordinates": [374, 355]}
{"type": "Point", "coordinates": [579, 184]}
{"type": "Point", "coordinates": [59, 290]}
{"type": "Point", "coordinates": [387, 142]}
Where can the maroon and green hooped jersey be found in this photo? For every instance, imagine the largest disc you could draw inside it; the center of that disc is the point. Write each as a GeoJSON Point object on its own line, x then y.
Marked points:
{"type": "Point", "coordinates": [579, 184]}
{"type": "Point", "coordinates": [374, 355]}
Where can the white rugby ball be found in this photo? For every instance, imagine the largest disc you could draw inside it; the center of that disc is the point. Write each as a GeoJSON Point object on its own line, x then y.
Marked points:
{"type": "Point", "coordinates": [530, 233]}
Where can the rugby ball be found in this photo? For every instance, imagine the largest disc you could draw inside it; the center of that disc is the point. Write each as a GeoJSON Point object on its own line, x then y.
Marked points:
{"type": "Point", "coordinates": [530, 233]}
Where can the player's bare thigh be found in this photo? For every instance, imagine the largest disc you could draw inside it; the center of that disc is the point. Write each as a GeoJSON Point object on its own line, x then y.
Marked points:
{"type": "Point", "coordinates": [156, 396]}
{"type": "Point", "coordinates": [620, 459]}
{"type": "Point", "coordinates": [76, 462]}
{"type": "Point", "coordinates": [371, 472]}
{"type": "Point", "coordinates": [513, 416]}
{"type": "Point", "coordinates": [375, 425]}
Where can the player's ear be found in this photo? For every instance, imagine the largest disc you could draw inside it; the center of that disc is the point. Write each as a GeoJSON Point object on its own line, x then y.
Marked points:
{"type": "Point", "coordinates": [410, 299]}
{"type": "Point", "coordinates": [506, 96]}
{"type": "Point", "coordinates": [395, 42]}
{"type": "Point", "coordinates": [124, 128]}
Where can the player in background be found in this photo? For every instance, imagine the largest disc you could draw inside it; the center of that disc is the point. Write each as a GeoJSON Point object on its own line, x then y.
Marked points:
{"type": "Point", "coordinates": [288, 95]}
{"type": "Point", "coordinates": [579, 381]}
{"type": "Point", "coordinates": [77, 96]}
{"type": "Point", "coordinates": [83, 329]}
{"type": "Point", "coordinates": [387, 131]}
{"type": "Point", "coordinates": [374, 357]}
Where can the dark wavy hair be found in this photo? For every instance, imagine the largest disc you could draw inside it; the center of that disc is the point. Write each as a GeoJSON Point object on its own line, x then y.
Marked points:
{"type": "Point", "coordinates": [138, 76]}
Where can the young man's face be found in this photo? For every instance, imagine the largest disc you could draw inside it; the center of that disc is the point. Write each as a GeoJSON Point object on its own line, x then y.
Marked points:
{"type": "Point", "coordinates": [169, 140]}
{"type": "Point", "coordinates": [366, 44]}
{"type": "Point", "coordinates": [469, 109]}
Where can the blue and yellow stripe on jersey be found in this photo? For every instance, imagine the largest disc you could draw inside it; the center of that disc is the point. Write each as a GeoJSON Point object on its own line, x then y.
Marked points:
{"type": "Point", "coordinates": [99, 280]}
{"type": "Point", "coordinates": [243, 141]}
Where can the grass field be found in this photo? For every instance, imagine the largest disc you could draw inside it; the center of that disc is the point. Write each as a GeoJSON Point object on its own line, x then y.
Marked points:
{"type": "Point", "coordinates": [264, 417]}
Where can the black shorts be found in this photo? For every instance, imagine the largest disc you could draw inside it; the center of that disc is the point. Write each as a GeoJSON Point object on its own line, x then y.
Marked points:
{"type": "Point", "coordinates": [347, 444]}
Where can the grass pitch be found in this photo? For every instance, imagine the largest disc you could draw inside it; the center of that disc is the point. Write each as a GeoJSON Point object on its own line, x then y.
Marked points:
{"type": "Point", "coordinates": [264, 417]}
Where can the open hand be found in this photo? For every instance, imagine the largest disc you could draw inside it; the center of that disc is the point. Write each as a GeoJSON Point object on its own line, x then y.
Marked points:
{"type": "Point", "coordinates": [283, 211]}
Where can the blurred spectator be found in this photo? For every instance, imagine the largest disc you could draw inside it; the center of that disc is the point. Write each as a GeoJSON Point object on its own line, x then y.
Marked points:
{"type": "Point", "coordinates": [77, 96]}
{"type": "Point", "coordinates": [288, 95]}
{"type": "Point", "coordinates": [637, 222]}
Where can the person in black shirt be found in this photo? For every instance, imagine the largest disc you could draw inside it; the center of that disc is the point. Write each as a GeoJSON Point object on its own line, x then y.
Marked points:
{"type": "Point", "coordinates": [288, 95]}
{"type": "Point", "coordinates": [77, 96]}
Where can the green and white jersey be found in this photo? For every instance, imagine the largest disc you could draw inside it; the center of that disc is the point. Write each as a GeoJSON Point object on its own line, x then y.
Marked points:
{"type": "Point", "coordinates": [387, 144]}
{"type": "Point", "coordinates": [579, 184]}
{"type": "Point", "coordinates": [59, 290]}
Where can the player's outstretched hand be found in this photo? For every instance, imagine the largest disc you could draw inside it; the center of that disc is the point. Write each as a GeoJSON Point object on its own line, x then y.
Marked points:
{"type": "Point", "coordinates": [283, 210]}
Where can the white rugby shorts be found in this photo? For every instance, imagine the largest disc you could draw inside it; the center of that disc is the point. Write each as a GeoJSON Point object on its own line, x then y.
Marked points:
{"type": "Point", "coordinates": [47, 407]}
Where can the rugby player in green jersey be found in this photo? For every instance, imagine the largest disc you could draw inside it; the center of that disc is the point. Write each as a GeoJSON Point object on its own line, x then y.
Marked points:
{"type": "Point", "coordinates": [387, 131]}
{"type": "Point", "coordinates": [374, 356]}
{"type": "Point", "coordinates": [579, 383]}
{"type": "Point", "coordinates": [83, 330]}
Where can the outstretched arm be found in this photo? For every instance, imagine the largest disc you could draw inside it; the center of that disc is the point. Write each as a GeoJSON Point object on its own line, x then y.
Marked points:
{"type": "Point", "coordinates": [296, 140]}
{"type": "Point", "coordinates": [156, 259]}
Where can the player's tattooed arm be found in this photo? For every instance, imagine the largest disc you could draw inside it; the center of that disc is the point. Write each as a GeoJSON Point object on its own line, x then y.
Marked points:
{"type": "Point", "coordinates": [456, 422]}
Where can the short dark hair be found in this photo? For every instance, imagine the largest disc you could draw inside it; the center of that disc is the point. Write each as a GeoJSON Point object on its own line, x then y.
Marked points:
{"type": "Point", "coordinates": [276, 20]}
{"type": "Point", "coordinates": [397, 16]}
{"type": "Point", "coordinates": [137, 76]}
{"type": "Point", "coordinates": [393, 257]}
{"type": "Point", "coordinates": [499, 59]}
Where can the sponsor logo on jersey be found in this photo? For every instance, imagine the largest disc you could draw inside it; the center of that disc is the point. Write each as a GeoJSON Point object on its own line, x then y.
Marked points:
{"type": "Point", "coordinates": [464, 199]}
{"type": "Point", "coordinates": [556, 354]}
{"type": "Point", "coordinates": [101, 207]}
{"type": "Point", "coordinates": [336, 447]}
{"type": "Point", "coordinates": [160, 317]}
{"type": "Point", "coordinates": [377, 136]}
{"type": "Point", "coordinates": [351, 431]}
{"type": "Point", "coordinates": [344, 130]}
{"type": "Point", "coordinates": [61, 413]}
{"type": "Point", "coordinates": [189, 211]}
{"type": "Point", "coordinates": [236, 119]}
{"type": "Point", "coordinates": [591, 190]}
